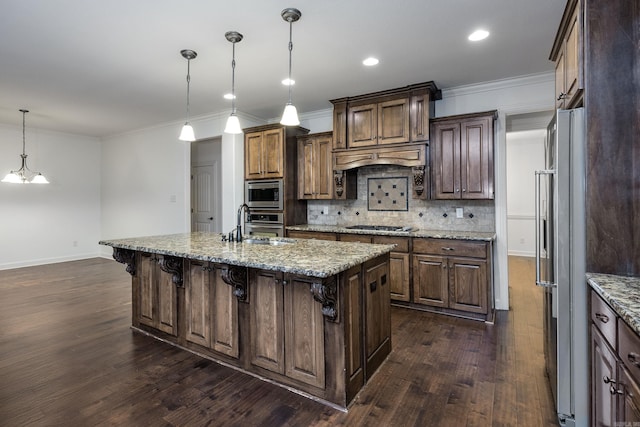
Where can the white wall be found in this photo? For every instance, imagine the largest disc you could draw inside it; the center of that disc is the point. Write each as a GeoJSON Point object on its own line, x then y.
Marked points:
{"type": "Point", "coordinates": [525, 155]}
{"type": "Point", "coordinates": [41, 224]}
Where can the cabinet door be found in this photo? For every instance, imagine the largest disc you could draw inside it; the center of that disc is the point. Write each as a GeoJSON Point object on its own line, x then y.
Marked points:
{"type": "Point", "coordinates": [468, 285]}
{"type": "Point", "coordinates": [266, 320]}
{"type": "Point", "coordinates": [430, 282]}
{"type": "Point", "coordinates": [420, 115]}
{"type": "Point", "coordinates": [399, 276]}
{"type": "Point", "coordinates": [571, 61]}
{"type": "Point", "coordinates": [363, 126]}
{"type": "Point", "coordinates": [167, 303]}
{"type": "Point", "coordinates": [560, 80]}
{"type": "Point", "coordinates": [197, 303]}
{"type": "Point", "coordinates": [224, 315]}
{"type": "Point", "coordinates": [393, 121]}
{"type": "Point", "coordinates": [306, 187]}
{"type": "Point", "coordinates": [476, 158]}
{"type": "Point", "coordinates": [378, 314]}
{"type": "Point", "coordinates": [340, 125]}
{"type": "Point", "coordinates": [630, 411]}
{"type": "Point", "coordinates": [603, 371]}
{"type": "Point", "coordinates": [446, 161]}
{"type": "Point", "coordinates": [253, 155]}
{"type": "Point", "coordinates": [304, 333]}
{"type": "Point", "coordinates": [324, 168]}
{"type": "Point", "coordinates": [273, 153]}
{"type": "Point", "coordinates": [147, 272]}
{"type": "Point", "coordinates": [354, 363]}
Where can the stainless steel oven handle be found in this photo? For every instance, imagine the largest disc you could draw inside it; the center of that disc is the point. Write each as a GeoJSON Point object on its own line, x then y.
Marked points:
{"type": "Point", "coordinates": [539, 281]}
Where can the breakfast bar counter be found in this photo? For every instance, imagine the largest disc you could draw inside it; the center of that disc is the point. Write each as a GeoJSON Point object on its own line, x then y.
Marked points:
{"type": "Point", "coordinates": [312, 316]}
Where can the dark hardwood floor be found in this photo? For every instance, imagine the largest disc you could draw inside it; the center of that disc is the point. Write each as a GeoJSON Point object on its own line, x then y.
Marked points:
{"type": "Point", "coordinates": [69, 358]}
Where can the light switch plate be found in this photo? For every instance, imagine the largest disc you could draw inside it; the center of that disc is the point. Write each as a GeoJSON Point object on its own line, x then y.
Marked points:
{"type": "Point", "coordinates": [459, 213]}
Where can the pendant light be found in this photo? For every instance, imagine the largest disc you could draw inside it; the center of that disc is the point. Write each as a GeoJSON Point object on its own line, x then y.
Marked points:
{"type": "Point", "coordinates": [290, 114]}
{"type": "Point", "coordinates": [187, 131]}
{"type": "Point", "coordinates": [24, 175]}
{"type": "Point", "coordinates": [233, 124]}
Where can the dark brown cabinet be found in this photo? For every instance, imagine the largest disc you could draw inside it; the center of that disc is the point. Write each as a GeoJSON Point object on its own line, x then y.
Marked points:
{"type": "Point", "coordinates": [399, 266]}
{"type": "Point", "coordinates": [379, 123]}
{"type": "Point", "coordinates": [462, 156]}
{"type": "Point", "coordinates": [568, 57]}
{"type": "Point", "coordinates": [156, 297]}
{"type": "Point", "coordinates": [211, 309]}
{"type": "Point", "coordinates": [287, 327]}
{"type": "Point", "coordinates": [315, 168]}
{"type": "Point", "coordinates": [452, 274]}
{"type": "Point", "coordinates": [264, 154]}
{"type": "Point", "coordinates": [615, 367]}
{"type": "Point", "coordinates": [378, 315]}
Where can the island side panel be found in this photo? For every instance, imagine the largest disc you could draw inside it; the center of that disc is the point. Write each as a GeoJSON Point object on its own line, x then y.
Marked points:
{"type": "Point", "coordinates": [352, 310]}
{"type": "Point", "coordinates": [377, 307]}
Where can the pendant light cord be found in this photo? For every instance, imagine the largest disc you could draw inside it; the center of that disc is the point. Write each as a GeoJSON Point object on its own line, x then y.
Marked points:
{"type": "Point", "coordinates": [24, 153]}
{"type": "Point", "coordinates": [290, 50]}
{"type": "Point", "coordinates": [188, 84]}
{"type": "Point", "coordinates": [233, 80]}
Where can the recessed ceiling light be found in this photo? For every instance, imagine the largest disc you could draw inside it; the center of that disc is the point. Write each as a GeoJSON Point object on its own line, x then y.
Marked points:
{"type": "Point", "coordinates": [229, 96]}
{"type": "Point", "coordinates": [478, 35]}
{"type": "Point", "coordinates": [288, 82]}
{"type": "Point", "coordinates": [370, 61]}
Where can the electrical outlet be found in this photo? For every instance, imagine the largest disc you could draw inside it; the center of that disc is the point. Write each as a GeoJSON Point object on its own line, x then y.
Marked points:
{"type": "Point", "coordinates": [459, 213]}
{"type": "Point", "coordinates": [324, 210]}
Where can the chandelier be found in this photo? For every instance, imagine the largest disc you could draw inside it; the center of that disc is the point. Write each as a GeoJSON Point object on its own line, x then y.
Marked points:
{"type": "Point", "coordinates": [24, 175]}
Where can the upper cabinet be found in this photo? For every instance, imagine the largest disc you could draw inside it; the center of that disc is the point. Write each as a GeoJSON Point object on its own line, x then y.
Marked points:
{"type": "Point", "coordinates": [264, 154]}
{"type": "Point", "coordinates": [268, 148]}
{"type": "Point", "coordinates": [462, 156]}
{"type": "Point", "coordinates": [393, 116]}
{"type": "Point", "coordinates": [315, 173]}
{"type": "Point", "coordinates": [568, 57]}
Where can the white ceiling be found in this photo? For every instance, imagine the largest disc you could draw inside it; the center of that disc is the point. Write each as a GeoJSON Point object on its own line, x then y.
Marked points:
{"type": "Point", "coordinates": [104, 67]}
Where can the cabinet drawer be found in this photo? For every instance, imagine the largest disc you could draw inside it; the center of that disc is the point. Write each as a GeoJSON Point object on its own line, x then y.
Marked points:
{"type": "Point", "coordinates": [629, 349]}
{"type": "Point", "coordinates": [604, 318]}
{"type": "Point", "coordinates": [361, 238]}
{"type": "Point", "coordinates": [446, 247]}
{"type": "Point", "coordinates": [311, 235]}
{"type": "Point", "coordinates": [402, 243]}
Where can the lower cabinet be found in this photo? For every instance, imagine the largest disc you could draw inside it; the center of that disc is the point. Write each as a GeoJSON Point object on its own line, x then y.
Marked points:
{"type": "Point", "coordinates": [211, 309]}
{"type": "Point", "coordinates": [155, 297]}
{"type": "Point", "coordinates": [459, 282]}
{"type": "Point", "coordinates": [378, 314]}
{"type": "Point", "coordinates": [285, 316]}
{"type": "Point", "coordinates": [615, 368]}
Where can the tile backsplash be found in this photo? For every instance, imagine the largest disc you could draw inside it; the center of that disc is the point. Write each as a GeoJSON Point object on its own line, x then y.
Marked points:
{"type": "Point", "coordinates": [478, 215]}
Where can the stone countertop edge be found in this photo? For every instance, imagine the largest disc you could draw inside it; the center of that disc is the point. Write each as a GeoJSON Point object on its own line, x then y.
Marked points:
{"type": "Point", "coordinates": [487, 236]}
{"type": "Point", "coordinates": [314, 258]}
{"type": "Point", "coordinates": [622, 293]}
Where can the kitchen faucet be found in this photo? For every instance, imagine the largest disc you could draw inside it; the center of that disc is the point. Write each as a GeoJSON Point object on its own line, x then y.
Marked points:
{"type": "Point", "coordinates": [239, 227]}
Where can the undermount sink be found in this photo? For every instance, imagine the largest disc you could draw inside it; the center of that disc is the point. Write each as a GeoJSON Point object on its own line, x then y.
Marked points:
{"type": "Point", "coordinates": [267, 241]}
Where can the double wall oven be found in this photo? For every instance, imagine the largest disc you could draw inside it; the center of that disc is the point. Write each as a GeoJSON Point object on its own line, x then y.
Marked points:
{"type": "Point", "coordinates": [265, 199]}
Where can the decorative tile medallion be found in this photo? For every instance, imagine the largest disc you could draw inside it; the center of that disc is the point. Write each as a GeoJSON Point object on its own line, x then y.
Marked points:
{"type": "Point", "coordinates": [388, 194]}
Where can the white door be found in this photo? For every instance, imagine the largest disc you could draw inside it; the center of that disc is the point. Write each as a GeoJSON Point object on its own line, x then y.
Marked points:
{"type": "Point", "coordinates": [203, 216]}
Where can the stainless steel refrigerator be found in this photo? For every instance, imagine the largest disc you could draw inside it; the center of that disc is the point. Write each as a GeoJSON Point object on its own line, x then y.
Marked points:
{"type": "Point", "coordinates": [560, 265]}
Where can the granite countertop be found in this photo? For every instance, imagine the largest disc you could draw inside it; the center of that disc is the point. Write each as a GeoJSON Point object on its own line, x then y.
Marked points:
{"type": "Point", "coordinates": [621, 293]}
{"type": "Point", "coordinates": [436, 234]}
{"type": "Point", "coordinates": [315, 258]}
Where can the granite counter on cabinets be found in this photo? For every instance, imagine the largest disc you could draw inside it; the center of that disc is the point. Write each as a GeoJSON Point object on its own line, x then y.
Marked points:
{"type": "Point", "coordinates": [312, 316]}
{"type": "Point", "coordinates": [487, 236]}
{"type": "Point", "coordinates": [622, 293]}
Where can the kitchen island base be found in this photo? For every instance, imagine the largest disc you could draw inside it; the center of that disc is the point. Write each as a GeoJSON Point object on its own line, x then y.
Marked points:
{"type": "Point", "coordinates": [320, 337]}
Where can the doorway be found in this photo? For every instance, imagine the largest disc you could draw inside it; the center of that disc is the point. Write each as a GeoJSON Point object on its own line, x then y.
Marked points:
{"type": "Point", "coordinates": [205, 210]}
{"type": "Point", "coordinates": [525, 138]}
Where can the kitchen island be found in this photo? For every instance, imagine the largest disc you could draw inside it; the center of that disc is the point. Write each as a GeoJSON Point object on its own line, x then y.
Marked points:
{"type": "Point", "coordinates": [312, 316]}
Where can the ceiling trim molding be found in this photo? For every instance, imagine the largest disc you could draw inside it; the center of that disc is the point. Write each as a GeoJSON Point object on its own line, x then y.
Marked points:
{"type": "Point", "coordinates": [531, 79]}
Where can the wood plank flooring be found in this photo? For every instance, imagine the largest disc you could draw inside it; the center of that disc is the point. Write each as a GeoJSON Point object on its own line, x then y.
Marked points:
{"type": "Point", "coordinates": [69, 358]}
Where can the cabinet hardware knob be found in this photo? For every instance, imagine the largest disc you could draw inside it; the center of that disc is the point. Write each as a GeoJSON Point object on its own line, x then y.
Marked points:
{"type": "Point", "coordinates": [464, 190]}
{"type": "Point", "coordinates": [446, 248]}
{"type": "Point", "coordinates": [614, 391]}
{"type": "Point", "coordinates": [633, 358]}
{"type": "Point", "coordinates": [562, 96]}
{"type": "Point", "coordinates": [457, 190]}
{"type": "Point", "coordinates": [608, 380]}
{"type": "Point", "coordinates": [602, 317]}
{"type": "Point", "coordinates": [284, 282]}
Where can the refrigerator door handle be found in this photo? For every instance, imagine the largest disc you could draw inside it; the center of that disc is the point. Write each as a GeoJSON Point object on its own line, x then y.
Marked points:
{"type": "Point", "coordinates": [538, 202]}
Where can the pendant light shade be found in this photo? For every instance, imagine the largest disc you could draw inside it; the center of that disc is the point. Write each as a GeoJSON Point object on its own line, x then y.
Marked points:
{"type": "Point", "coordinates": [233, 124]}
{"type": "Point", "coordinates": [187, 131]}
{"type": "Point", "coordinates": [24, 175]}
{"type": "Point", "coordinates": [290, 114]}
